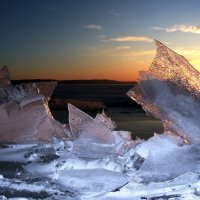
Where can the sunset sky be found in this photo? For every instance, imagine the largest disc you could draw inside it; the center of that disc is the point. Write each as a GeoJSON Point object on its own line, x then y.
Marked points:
{"type": "Point", "coordinates": [94, 39]}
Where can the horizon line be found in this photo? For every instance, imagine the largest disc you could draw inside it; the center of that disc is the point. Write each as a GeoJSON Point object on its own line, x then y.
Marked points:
{"type": "Point", "coordinates": [110, 80]}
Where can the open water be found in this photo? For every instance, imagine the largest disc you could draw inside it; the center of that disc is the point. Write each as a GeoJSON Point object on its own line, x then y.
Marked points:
{"type": "Point", "coordinates": [124, 111]}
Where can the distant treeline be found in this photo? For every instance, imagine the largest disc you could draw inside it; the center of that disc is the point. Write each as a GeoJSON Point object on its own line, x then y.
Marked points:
{"type": "Point", "coordinates": [94, 81]}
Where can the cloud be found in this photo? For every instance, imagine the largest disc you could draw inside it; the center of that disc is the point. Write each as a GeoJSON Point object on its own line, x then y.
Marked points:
{"type": "Point", "coordinates": [123, 47]}
{"type": "Point", "coordinates": [131, 39]}
{"type": "Point", "coordinates": [118, 51]}
{"type": "Point", "coordinates": [115, 13]}
{"type": "Point", "coordinates": [180, 27]}
{"type": "Point", "coordinates": [102, 37]}
{"type": "Point", "coordinates": [93, 27]}
{"type": "Point", "coordinates": [157, 28]}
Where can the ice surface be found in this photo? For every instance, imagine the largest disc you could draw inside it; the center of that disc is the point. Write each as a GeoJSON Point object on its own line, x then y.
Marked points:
{"type": "Point", "coordinates": [170, 91]}
{"type": "Point", "coordinates": [57, 163]}
{"type": "Point", "coordinates": [28, 189]}
{"type": "Point", "coordinates": [184, 187]}
{"type": "Point", "coordinates": [56, 166]}
{"type": "Point", "coordinates": [167, 165]}
{"type": "Point", "coordinates": [15, 153]}
{"type": "Point", "coordinates": [92, 182]}
{"type": "Point", "coordinates": [50, 158]}
{"type": "Point", "coordinates": [85, 127]}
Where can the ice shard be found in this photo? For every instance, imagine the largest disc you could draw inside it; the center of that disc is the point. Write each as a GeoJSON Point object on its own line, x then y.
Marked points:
{"type": "Point", "coordinates": [4, 76]}
{"type": "Point", "coordinates": [168, 65]}
{"type": "Point", "coordinates": [159, 143]}
{"type": "Point", "coordinates": [104, 119]}
{"type": "Point", "coordinates": [24, 94]}
{"type": "Point", "coordinates": [170, 90]}
{"type": "Point", "coordinates": [167, 165]}
{"type": "Point", "coordinates": [46, 88]}
{"type": "Point", "coordinates": [85, 127]}
{"type": "Point", "coordinates": [24, 111]}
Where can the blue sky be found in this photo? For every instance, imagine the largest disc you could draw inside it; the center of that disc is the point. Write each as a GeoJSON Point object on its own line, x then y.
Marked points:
{"type": "Point", "coordinates": [87, 39]}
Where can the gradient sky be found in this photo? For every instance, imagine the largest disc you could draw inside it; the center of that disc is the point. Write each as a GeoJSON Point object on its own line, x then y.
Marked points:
{"type": "Point", "coordinates": [94, 39]}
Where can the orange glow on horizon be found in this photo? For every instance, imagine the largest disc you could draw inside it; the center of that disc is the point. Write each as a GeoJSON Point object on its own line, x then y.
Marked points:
{"type": "Point", "coordinates": [125, 70]}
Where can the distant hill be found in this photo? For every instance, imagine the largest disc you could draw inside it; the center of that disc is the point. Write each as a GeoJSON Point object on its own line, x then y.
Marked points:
{"type": "Point", "coordinates": [93, 81]}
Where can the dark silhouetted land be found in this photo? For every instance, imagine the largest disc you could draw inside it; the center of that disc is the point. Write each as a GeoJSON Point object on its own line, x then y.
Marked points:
{"type": "Point", "coordinates": [93, 81]}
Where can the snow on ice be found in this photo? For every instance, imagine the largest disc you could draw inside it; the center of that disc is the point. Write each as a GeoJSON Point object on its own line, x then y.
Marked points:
{"type": "Point", "coordinates": [43, 159]}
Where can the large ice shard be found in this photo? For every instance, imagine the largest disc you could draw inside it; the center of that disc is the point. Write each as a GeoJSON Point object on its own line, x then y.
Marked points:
{"type": "Point", "coordinates": [24, 111]}
{"type": "Point", "coordinates": [168, 65]}
{"type": "Point", "coordinates": [85, 127]}
{"type": "Point", "coordinates": [33, 123]}
{"type": "Point", "coordinates": [170, 90]}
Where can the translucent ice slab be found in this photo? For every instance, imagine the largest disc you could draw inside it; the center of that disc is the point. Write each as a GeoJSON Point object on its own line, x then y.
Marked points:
{"type": "Point", "coordinates": [85, 127]}
{"type": "Point", "coordinates": [170, 90]}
